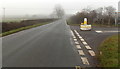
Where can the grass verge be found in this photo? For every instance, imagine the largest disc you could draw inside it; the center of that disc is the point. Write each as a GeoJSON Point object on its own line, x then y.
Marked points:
{"type": "Point", "coordinates": [20, 29]}
{"type": "Point", "coordinates": [109, 52]}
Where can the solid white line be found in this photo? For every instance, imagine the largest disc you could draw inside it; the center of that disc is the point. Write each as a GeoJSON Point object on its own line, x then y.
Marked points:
{"type": "Point", "coordinates": [76, 42]}
{"type": "Point", "coordinates": [84, 43]}
{"type": "Point", "coordinates": [111, 31]}
{"type": "Point", "coordinates": [98, 31]}
{"type": "Point", "coordinates": [78, 46]}
{"type": "Point", "coordinates": [84, 60]}
{"type": "Point", "coordinates": [92, 53]}
{"type": "Point", "coordinates": [88, 47]}
{"type": "Point", "coordinates": [81, 52]}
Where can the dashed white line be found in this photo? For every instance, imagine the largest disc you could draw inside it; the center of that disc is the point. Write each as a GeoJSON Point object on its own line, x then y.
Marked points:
{"type": "Point", "coordinates": [78, 46]}
{"type": "Point", "coordinates": [81, 52]}
{"type": "Point", "coordinates": [88, 47]}
{"type": "Point", "coordinates": [76, 42]}
{"type": "Point", "coordinates": [85, 60]}
{"type": "Point", "coordinates": [75, 39]}
{"type": "Point", "coordinates": [84, 43]}
{"type": "Point", "coordinates": [92, 53]}
{"type": "Point", "coordinates": [82, 39]}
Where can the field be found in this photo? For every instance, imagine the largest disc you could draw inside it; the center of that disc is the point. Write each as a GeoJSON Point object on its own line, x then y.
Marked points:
{"type": "Point", "coordinates": [12, 27]}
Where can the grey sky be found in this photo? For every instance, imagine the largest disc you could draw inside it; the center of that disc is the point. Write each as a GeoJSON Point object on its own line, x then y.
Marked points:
{"type": "Point", "coordinates": [19, 7]}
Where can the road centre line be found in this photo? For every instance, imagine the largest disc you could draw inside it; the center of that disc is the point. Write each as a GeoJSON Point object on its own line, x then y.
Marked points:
{"type": "Point", "coordinates": [85, 60]}
{"type": "Point", "coordinates": [81, 52]}
{"type": "Point", "coordinates": [92, 53]}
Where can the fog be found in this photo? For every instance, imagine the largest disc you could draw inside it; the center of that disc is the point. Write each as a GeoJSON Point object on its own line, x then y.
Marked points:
{"type": "Point", "coordinates": [46, 7]}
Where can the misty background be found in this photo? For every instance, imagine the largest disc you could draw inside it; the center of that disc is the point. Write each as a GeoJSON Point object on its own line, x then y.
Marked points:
{"type": "Point", "coordinates": [45, 8]}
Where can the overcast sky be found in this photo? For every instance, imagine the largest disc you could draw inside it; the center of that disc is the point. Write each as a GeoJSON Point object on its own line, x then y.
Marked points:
{"type": "Point", "coordinates": [23, 7]}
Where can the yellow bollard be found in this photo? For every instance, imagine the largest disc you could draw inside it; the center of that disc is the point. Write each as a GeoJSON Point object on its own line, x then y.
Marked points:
{"type": "Point", "coordinates": [85, 21]}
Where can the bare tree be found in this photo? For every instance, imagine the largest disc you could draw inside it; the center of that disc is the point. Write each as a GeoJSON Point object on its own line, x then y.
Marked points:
{"type": "Point", "coordinates": [110, 11]}
{"type": "Point", "coordinates": [59, 11]}
{"type": "Point", "coordinates": [100, 15]}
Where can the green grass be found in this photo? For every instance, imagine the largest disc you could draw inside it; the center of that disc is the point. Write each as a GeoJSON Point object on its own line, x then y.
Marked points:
{"type": "Point", "coordinates": [109, 49]}
{"type": "Point", "coordinates": [22, 28]}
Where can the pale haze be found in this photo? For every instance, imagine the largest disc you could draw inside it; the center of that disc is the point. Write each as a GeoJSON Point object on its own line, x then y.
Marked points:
{"type": "Point", "coordinates": [46, 7]}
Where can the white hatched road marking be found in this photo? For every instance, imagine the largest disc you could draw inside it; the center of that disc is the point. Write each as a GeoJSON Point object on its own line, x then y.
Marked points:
{"type": "Point", "coordinates": [78, 46]}
{"type": "Point", "coordinates": [88, 47]}
{"type": "Point", "coordinates": [75, 31]}
{"type": "Point", "coordinates": [75, 39]}
{"type": "Point", "coordinates": [84, 43]}
{"type": "Point", "coordinates": [82, 39]}
{"type": "Point", "coordinates": [92, 53]}
{"type": "Point", "coordinates": [76, 42]}
{"type": "Point", "coordinates": [85, 60]}
{"type": "Point", "coordinates": [81, 52]}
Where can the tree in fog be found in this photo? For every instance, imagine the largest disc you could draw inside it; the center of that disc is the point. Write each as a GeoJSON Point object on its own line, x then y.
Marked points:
{"type": "Point", "coordinates": [110, 11]}
{"type": "Point", "coordinates": [59, 11]}
{"type": "Point", "coordinates": [100, 17]}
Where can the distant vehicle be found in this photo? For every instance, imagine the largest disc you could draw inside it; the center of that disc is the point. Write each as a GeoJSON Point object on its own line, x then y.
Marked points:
{"type": "Point", "coordinates": [85, 26]}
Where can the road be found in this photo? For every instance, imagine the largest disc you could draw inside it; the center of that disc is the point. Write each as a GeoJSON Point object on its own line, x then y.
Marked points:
{"type": "Point", "coordinates": [50, 45]}
{"type": "Point", "coordinates": [91, 40]}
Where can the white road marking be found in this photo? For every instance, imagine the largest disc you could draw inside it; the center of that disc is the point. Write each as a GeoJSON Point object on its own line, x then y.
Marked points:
{"type": "Point", "coordinates": [111, 31]}
{"type": "Point", "coordinates": [78, 46]}
{"type": "Point", "coordinates": [76, 42]}
{"type": "Point", "coordinates": [84, 43]}
{"type": "Point", "coordinates": [92, 53]}
{"type": "Point", "coordinates": [75, 31]}
{"type": "Point", "coordinates": [84, 60]}
{"type": "Point", "coordinates": [98, 31]}
{"type": "Point", "coordinates": [75, 39]}
{"type": "Point", "coordinates": [82, 39]}
{"type": "Point", "coordinates": [88, 47]}
{"type": "Point", "coordinates": [81, 52]}
{"type": "Point", "coordinates": [78, 35]}
{"type": "Point", "coordinates": [77, 67]}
